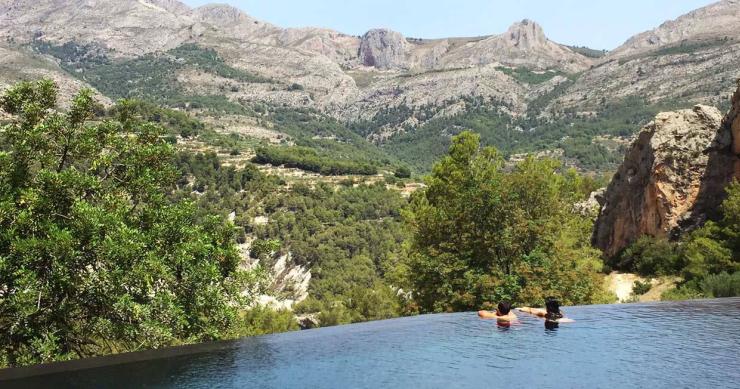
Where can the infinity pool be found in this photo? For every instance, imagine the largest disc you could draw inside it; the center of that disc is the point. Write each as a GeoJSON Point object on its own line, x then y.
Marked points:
{"type": "Point", "coordinates": [659, 345]}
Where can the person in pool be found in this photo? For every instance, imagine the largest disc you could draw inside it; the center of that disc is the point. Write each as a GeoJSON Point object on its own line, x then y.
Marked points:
{"type": "Point", "coordinates": [503, 313]}
{"type": "Point", "coordinates": [551, 313]}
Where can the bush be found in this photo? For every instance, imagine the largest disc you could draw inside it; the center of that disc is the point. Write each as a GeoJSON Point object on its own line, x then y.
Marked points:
{"type": "Point", "coordinates": [403, 172]}
{"type": "Point", "coordinates": [721, 285]}
{"type": "Point", "coordinates": [263, 248]}
{"type": "Point", "coordinates": [265, 320]}
{"type": "Point", "coordinates": [639, 288]}
{"type": "Point", "coordinates": [684, 292]}
{"type": "Point", "coordinates": [295, 87]}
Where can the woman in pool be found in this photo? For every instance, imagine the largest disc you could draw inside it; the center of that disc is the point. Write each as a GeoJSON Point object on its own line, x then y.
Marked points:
{"type": "Point", "coordinates": [551, 313]}
{"type": "Point", "coordinates": [502, 314]}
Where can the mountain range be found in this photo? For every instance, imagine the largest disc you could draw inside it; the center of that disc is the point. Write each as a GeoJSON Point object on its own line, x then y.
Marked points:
{"type": "Point", "coordinates": [387, 86]}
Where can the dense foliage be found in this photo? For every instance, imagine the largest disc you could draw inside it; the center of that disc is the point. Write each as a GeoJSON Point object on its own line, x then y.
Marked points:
{"type": "Point", "coordinates": [308, 159]}
{"type": "Point", "coordinates": [329, 137]}
{"type": "Point", "coordinates": [94, 257]}
{"type": "Point", "coordinates": [482, 234]}
{"type": "Point", "coordinates": [351, 238]}
{"type": "Point", "coordinates": [420, 147]}
{"type": "Point", "coordinates": [176, 122]}
{"type": "Point", "coordinates": [152, 77]}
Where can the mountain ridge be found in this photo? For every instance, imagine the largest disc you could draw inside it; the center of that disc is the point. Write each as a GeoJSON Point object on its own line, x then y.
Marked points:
{"type": "Point", "coordinates": [383, 81]}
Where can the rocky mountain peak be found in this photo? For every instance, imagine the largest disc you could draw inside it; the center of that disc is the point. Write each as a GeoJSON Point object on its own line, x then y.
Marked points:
{"type": "Point", "coordinates": [222, 15]}
{"type": "Point", "coordinates": [526, 35]}
{"type": "Point", "coordinates": [383, 49]}
{"type": "Point", "coordinates": [524, 44]}
{"type": "Point", "coordinates": [707, 24]}
{"type": "Point", "coordinates": [172, 6]}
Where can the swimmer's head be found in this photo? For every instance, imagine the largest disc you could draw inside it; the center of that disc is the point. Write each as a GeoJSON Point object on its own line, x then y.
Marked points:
{"type": "Point", "coordinates": [504, 308]}
{"type": "Point", "coordinates": [552, 305]}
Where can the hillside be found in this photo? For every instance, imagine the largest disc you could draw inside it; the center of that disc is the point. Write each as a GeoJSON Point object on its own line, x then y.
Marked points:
{"type": "Point", "coordinates": [522, 91]}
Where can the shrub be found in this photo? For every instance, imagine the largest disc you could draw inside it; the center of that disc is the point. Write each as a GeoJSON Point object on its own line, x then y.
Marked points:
{"type": "Point", "coordinates": [685, 292]}
{"type": "Point", "coordinates": [265, 320]}
{"type": "Point", "coordinates": [639, 288]}
{"type": "Point", "coordinates": [295, 87]}
{"type": "Point", "coordinates": [261, 248]}
{"type": "Point", "coordinates": [721, 285]}
{"type": "Point", "coordinates": [403, 172]}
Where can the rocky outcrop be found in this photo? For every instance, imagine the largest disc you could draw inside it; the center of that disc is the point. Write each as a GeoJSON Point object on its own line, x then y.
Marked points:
{"type": "Point", "coordinates": [523, 44]}
{"type": "Point", "coordinates": [526, 35]}
{"type": "Point", "coordinates": [308, 321]}
{"type": "Point", "coordinates": [125, 27]}
{"type": "Point", "coordinates": [287, 282]}
{"type": "Point", "coordinates": [591, 206]}
{"type": "Point", "coordinates": [672, 179]}
{"type": "Point", "coordinates": [383, 49]}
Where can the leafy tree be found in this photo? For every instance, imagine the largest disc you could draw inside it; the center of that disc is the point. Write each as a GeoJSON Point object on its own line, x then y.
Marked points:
{"type": "Point", "coordinates": [94, 257]}
{"type": "Point", "coordinates": [480, 233]}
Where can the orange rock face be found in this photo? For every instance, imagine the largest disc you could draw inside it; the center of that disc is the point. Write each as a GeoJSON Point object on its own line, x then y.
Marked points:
{"type": "Point", "coordinates": [672, 178]}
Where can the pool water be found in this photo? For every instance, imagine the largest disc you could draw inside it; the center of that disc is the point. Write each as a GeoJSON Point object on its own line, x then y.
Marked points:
{"type": "Point", "coordinates": [656, 345]}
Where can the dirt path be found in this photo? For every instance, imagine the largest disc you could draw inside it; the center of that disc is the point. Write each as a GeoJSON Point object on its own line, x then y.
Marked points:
{"type": "Point", "coordinates": [621, 284]}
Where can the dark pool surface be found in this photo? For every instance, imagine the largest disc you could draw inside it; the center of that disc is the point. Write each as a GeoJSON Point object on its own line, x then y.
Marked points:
{"type": "Point", "coordinates": [659, 345]}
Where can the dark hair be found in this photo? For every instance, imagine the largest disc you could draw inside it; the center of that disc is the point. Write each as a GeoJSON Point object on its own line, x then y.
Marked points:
{"type": "Point", "coordinates": [504, 307]}
{"type": "Point", "coordinates": [552, 305]}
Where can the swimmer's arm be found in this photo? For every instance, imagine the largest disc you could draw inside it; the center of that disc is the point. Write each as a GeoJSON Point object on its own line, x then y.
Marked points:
{"type": "Point", "coordinates": [535, 311]}
{"type": "Point", "coordinates": [565, 320]}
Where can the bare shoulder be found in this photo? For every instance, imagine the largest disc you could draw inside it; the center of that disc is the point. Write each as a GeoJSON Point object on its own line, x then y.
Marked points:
{"type": "Point", "coordinates": [509, 317]}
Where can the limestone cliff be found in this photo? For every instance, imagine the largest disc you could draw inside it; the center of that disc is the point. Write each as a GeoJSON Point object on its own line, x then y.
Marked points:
{"type": "Point", "coordinates": [672, 178]}
{"type": "Point", "coordinates": [523, 44]}
{"type": "Point", "coordinates": [383, 49]}
{"type": "Point", "coordinates": [732, 121]}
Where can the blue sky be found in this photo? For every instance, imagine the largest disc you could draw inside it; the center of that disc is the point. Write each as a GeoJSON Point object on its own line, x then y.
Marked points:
{"type": "Point", "coordinates": [600, 24]}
